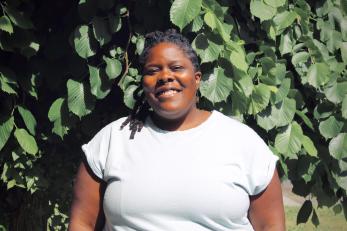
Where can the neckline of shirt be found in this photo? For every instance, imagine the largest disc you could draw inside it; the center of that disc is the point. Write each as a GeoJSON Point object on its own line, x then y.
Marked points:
{"type": "Point", "coordinates": [150, 124]}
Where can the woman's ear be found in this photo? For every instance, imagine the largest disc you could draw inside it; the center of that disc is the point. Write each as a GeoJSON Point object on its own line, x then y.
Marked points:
{"type": "Point", "coordinates": [197, 78]}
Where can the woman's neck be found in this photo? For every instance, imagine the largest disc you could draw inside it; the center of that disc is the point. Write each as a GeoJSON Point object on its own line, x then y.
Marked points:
{"type": "Point", "coordinates": [187, 121]}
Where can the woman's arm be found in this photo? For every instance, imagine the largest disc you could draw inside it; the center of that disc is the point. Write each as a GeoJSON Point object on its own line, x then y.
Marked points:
{"type": "Point", "coordinates": [266, 211]}
{"type": "Point", "coordinates": [86, 211]}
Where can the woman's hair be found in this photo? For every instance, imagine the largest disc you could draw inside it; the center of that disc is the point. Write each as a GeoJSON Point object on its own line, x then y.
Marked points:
{"type": "Point", "coordinates": [140, 111]}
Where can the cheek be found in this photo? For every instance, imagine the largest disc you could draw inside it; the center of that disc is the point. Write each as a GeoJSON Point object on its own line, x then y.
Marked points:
{"type": "Point", "coordinates": [148, 84]}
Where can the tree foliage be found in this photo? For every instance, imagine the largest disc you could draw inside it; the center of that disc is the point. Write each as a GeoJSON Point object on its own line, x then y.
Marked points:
{"type": "Point", "coordinates": [68, 68]}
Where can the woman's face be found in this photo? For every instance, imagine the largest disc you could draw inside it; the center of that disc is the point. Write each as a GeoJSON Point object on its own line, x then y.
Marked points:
{"type": "Point", "coordinates": [170, 81]}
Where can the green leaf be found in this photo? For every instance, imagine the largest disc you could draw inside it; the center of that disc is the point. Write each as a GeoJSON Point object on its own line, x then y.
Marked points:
{"type": "Point", "coordinates": [261, 10]}
{"type": "Point", "coordinates": [28, 118]}
{"type": "Point", "coordinates": [115, 22]}
{"type": "Point", "coordinates": [215, 7]}
{"type": "Point", "coordinates": [286, 43]}
{"type": "Point", "coordinates": [284, 20]}
{"type": "Point", "coordinates": [344, 107]}
{"type": "Point", "coordinates": [289, 141]}
{"type": "Point", "coordinates": [300, 57]}
{"type": "Point", "coordinates": [6, 87]}
{"type": "Point", "coordinates": [113, 67]}
{"type": "Point", "coordinates": [129, 100]}
{"type": "Point", "coordinates": [336, 91]}
{"type": "Point", "coordinates": [26, 141]}
{"type": "Point", "coordinates": [182, 12]}
{"type": "Point", "coordinates": [197, 24]}
{"type": "Point", "coordinates": [343, 49]}
{"type": "Point", "coordinates": [54, 112]}
{"type": "Point", "coordinates": [265, 120]}
{"type": "Point", "coordinates": [80, 102]}
{"type": "Point", "coordinates": [100, 30]}
{"type": "Point", "coordinates": [305, 118]}
{"type": "Point", "coordinates": [58, 113]}
{"type": "Point", "coordinates": [5, 24]}
{"type": "Point", "coordinates": [215, 86]}
{"type": "Point", "coordinates": [207, 50]}
{"type": "Point", "coordinates": [30, 50]}
{"type": "Point", "coordinates": [283, 113]}
{"type": "Point", "coordinates": [18, 18]}
{"type": "Point", "coordinates": [215, 24]}
{"type": "Point", "coordinates": [237, 56]}
{"type": "Point", "coordinates": [338, 146]}
{"type": "Point", "coordinates": [318, 74]}
{"type": "Point", "coordinates": [304, 212]}
{"type": "Point", "coordinates": [330, 128]}
{"type": "Point", "coordinates": [6, 128]}
{"type": "Point", "coordinates": [275, 3]}
{"type": "Point", "coordinates": [282, 92]}
{"type": "Point", "coordinates": [259, 99]}
{"type": "Point", "coordinates": [309, 146]}
{"type": "Point", "coordinates": [99, 84]}
{"type": "Point", "coordinates": [82, 42]}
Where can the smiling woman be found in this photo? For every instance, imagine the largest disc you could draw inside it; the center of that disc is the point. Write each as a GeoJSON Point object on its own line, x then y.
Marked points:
{"type": "Point", "coordinates": [186, 169]}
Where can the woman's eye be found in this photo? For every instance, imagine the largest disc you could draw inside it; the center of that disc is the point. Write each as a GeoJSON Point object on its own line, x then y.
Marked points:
{"type": "Point", "coordinates": [150, 71]}
{"type": "Point", "coordinates": [176, 68]}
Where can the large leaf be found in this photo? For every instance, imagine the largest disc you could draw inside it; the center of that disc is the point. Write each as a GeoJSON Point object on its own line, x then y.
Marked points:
{"type": "Point", "coordinates": [309, 146]}
{"type": "Point", "coordinates": [113, 67]}
{"type": "Point", "coordinates": [28, 118]}
{"type": "Point", "coordinates": [338, 146]}
{"type": "Point", "coordinates": [331, 127]}
{"type": "Point", "coordinates": [289, 141]}
{"type": "Point", "coordinates": [54, 112]}
{"type": "Point", "coordinates": [344, 107]}
{"type": "Point", "coordinates": [182, 12]}
{"type": "Point", "coordinates": [259, 99]}
{"type": "Point", "coordinates": [215, 86]}
{"type": "Point", "coordinates": [215, 24]}
{"type": "Point", "coordinates": [129, 100]}
{"type": "Point", "coordinates": [343, 49]}
{"type": "Point", "coordinates": [100, 86]}
{"type": "Point", "coordinates": [82, 42]}
{"type": "Point", "coordinates": [19, 18]}
{"type": "Point", "coordinates": [207, 50]}
{"type": "Point", "coordinates": [318, 74]}
{"type": "Point", "coordinates": [100, 30]}
{"type": "Point", "coordinates": [58, 114]}
{"type": "Point", "coordinates": [275, 3]}
{"type": "Point", "coordinates": [278, 115]}
{"type": "Point", "coordinates": [80, 102]}
{"type": "Point", "coordinates": [283, 113]}
{"type": "Point", "coordinates": [26, 141]}
{"type": "Point", "coordinates": [261, 10]}
{"type": "Point", "coordinates": [5, 130]}
{"type": "Point", "coordinates": [336, 91]}
{"type": "Point", "coordinates": [5, 24]}
{"type": "Point", "coordinates": [304, 212]}
{"type": "Point", "coordinates": [284, 20]}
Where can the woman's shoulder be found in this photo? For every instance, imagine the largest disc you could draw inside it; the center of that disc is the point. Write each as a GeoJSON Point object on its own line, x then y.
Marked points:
{"type": "Point", "coordinates": [114, 126]}
{"type": "Point", "coordinates": [225, 122]}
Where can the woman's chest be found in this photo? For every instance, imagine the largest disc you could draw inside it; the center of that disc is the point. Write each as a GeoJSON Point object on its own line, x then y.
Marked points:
{"type": "Point", "coordinates": [194, 182]}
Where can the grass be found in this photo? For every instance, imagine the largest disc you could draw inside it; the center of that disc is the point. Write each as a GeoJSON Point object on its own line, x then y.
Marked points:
{"type": "Point", "coordinates": [329, 221]}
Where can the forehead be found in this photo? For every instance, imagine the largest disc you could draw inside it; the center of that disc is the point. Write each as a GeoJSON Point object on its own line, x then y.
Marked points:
{"type": "Point", "coordinates": [166, 50]}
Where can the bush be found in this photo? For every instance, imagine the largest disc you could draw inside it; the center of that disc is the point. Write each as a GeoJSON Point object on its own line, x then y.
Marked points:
{"type": "Point", "coordinates": [69, 68]}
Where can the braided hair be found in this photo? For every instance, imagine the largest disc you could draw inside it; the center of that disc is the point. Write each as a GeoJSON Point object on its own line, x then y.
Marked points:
{"type": "Point", "coordinates": [140, 111]}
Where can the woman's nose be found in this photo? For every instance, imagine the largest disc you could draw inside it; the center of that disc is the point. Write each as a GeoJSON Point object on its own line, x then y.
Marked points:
{"type": "Point", "coordinates": [165, 76]}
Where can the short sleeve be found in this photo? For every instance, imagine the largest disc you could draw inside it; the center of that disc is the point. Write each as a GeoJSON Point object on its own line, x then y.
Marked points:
{"type": "Point", "coordinates": [261, 164]}
{"type": "Point", "coordinates": [96, 151]}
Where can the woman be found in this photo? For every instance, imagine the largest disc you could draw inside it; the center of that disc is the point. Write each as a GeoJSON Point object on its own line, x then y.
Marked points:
{"type": "Point", "coordinates": [174, 166]}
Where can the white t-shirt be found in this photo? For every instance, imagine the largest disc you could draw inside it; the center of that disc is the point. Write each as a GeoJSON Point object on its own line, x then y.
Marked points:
{"type": "Point", "coordinates": [193, 180]}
